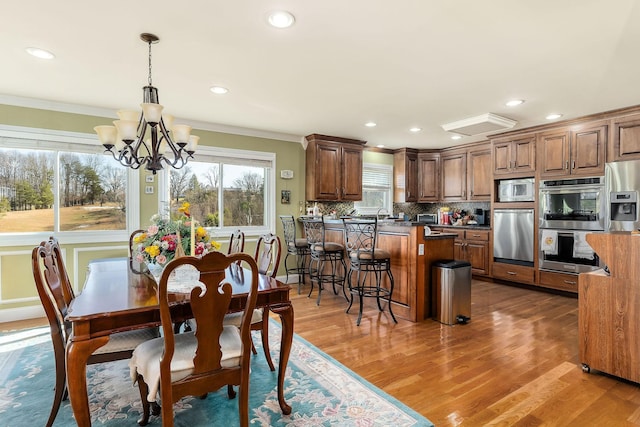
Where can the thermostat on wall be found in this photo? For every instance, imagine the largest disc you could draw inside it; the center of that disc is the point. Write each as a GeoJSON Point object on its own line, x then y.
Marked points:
{"type": "Point", "coordinates": [286, 174]}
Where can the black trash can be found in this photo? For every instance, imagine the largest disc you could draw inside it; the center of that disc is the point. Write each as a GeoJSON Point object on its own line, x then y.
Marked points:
{"type": "Point", "coordinates": [451, 282]}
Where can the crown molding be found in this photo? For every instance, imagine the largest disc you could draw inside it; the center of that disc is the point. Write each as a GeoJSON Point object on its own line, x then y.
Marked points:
{"type": "Point", "coordinates": [42, 104]}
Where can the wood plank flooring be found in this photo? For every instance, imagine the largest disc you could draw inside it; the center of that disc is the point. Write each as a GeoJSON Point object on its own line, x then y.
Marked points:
{"type": "Point", "coordinates": [515, 363]}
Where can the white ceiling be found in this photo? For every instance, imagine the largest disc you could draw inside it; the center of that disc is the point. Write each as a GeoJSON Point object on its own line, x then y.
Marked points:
{"type": "Point", "coordinates": [399, 63]}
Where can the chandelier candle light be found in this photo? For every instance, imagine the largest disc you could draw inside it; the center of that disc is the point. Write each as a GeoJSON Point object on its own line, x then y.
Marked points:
{"type": "Point", "coordinates": [168, 143]}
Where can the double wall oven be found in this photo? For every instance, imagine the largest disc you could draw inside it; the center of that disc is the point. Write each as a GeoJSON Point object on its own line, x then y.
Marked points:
{"type": "Point", "coordinates": [570, 208]}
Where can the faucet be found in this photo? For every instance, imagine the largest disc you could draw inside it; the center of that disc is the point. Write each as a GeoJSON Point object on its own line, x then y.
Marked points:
{"type": "Point", "coordinates": [382, 209]}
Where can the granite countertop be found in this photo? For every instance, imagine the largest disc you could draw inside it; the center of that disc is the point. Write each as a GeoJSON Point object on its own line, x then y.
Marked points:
{"type": "Point", "coordinates": [401, 223]}
{"type": "Point", "coordinates": [472, 226]}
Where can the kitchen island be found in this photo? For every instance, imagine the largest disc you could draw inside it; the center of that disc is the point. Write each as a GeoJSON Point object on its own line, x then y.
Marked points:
{"type": "Point", "coordinates": [412, 254]}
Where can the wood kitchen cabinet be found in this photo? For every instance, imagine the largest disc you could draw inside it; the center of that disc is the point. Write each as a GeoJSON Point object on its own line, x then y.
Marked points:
{"type": "Point", "coordinates": [453, 184]}
{"type": "Point", "coordinates": [513, 272]}
{"type": "Point", "coordinates": [405, 175]}
{"type": "Point", "coordinates": [609, 307]}
{"type": "Point", "coordinates": [580, 151]}
{"type": "Point", "coordinates": [428, 177]}
{"type": "Point", "coordinates": [560, 281]}
{"type": "Point", "coordinates": [479, 179]}
{"type": "Point", "coordinates": [470, 245]}
{"type": "Point", "coordinates": [515, 156]}
{"type": "Point", "coordinates": [333, 168]}
{"type": "Point", "coordinates": [625, 144]}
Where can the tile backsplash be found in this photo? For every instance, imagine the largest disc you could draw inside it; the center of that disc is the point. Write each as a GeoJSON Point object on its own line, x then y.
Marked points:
{"type": "Point", "coordinates": [411, 209]}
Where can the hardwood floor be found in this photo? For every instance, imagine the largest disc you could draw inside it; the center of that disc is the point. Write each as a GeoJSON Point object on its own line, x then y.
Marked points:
{"type": "Point", "coordinates": [515, 363]}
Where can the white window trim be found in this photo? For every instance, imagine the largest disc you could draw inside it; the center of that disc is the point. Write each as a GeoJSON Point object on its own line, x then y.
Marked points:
{"type": "Point", "coordinates": [385, 168]}
{"type": "Point", "coordinates": [25, 137]}
{"type": "Point", "coordinates": [270, 189]}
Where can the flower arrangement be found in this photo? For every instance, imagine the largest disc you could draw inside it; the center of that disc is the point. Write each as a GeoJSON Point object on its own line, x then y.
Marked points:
{"type": "Point", "coordinates": [165, 239]}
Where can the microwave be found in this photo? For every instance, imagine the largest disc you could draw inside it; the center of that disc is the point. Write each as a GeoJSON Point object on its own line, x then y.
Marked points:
{"type": "Point", "coordinates": [516, 190]}
{"type": "Point", "coordinates": [427, 218]}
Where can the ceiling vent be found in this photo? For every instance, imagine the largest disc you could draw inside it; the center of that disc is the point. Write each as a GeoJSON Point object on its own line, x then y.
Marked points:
{"type": "Point", "coordinates": [483, 123]}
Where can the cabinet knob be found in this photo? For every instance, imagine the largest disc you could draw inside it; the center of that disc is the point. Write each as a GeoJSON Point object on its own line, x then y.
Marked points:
{"type": "Point", "coordinates": [574, 164]}
{"type": "Point", "coordinates": [513, 273]}
{"type": "Point", "coordinates": [567, 164]}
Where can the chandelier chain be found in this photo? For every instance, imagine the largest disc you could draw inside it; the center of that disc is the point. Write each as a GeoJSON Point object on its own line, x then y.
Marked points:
{"type": "Point", "coordinates": [150, 83]}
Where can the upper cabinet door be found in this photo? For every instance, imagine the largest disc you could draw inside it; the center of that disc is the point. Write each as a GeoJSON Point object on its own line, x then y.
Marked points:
{"type": "Point", "coordinates": [626, 139]}
{"type": "Point", "coordinates": [580, 151]}
{"type": "Point", "coordinates": [479, 176]}
{"type": "Point", "coordinates": [428, 177]}
{"type": "Point", "coordinates": [405, 175]}
{"type": "Point", "coordinates": [454, 176]}
{"type": "Point", "coordinates": [351, 173]}
{"type": "Point", "coordinates": [588, 150]}
{"type": "Point", "coordinates": [327, 180]}
{"type": "Point", "coordinates": [554, 153]}
{"type": "Point", "coordinates": [515, 156]}
{"type": "Point", "coordinates": [333, 168]}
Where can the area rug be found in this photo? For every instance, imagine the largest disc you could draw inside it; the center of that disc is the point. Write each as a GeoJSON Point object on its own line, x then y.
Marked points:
{"type": "Point", "coordinates": [321, 391]}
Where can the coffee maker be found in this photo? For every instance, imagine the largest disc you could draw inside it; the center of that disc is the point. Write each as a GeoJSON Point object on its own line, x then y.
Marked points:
{"type": "Point", "coordinates": [482, 216]}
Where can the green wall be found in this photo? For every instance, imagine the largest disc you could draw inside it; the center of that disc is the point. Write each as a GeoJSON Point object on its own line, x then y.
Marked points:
{"type": "Point", "coordinates": [16, 279]}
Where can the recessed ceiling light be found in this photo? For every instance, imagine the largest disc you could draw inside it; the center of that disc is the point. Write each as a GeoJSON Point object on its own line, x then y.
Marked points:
{"type": "Point", "coordinates": [380, 145]}
{"type": "Point", "coordinates": [40, 53]}
{"type": "Point", "coordinates": [553, 116]}
{"type": "Point", "coordinates": [219, 90]}
{"type": "Point", "coordinates": [370, 124]}
{"type": "Point", "coordinates": [456, 137]}
{"type": "Point", "coordinates": [514, 102]}
{"type": "Point", "coordinates": [415, 129]}
{"type": "Point", "coordinates": [281, 19]}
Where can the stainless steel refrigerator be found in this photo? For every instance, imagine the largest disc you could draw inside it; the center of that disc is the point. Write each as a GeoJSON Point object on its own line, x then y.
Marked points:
{"type": "Point", "coordinates": [622, 180]}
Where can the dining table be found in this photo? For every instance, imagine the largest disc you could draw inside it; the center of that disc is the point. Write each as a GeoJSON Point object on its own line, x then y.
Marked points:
{"type": "Point", "coordinates": [121, 294]}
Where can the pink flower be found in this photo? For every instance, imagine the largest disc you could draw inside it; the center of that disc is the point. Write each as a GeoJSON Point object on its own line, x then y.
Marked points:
{"type": "Point", "coordinates": [152, 230]}
{"type": "Point", "coordinates": [161, 259]}
{"type": "Point", "coordinates": [199, 248]}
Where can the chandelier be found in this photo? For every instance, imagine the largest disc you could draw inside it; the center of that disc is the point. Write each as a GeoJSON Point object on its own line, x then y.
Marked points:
{"type": "Point", "coordinates": [164, 143]}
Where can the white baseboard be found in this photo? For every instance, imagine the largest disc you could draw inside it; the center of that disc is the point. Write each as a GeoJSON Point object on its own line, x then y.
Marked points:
{"type": "Point", "coordinates": [21, 313]}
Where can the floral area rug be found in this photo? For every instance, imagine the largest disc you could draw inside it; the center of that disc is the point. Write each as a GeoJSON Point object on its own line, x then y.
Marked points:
{"type": "Point", "coordinates": [321, 391]}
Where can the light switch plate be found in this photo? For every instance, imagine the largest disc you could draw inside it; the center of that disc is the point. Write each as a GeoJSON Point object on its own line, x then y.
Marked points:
{"type": "Point", "coordinates": [148, 189]}
{"type": "Point", "coordinates": [286, 174]}
{"type": "Point", "coordinates": [421, 249]}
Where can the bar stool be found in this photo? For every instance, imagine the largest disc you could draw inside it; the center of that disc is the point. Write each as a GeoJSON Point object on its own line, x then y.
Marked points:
{"type": "Point", "coordinates": [365, 258]}
{"type": "Point", "coordinates": [298, 248]}
{"type": "Point", "coordinates": [321, 253]}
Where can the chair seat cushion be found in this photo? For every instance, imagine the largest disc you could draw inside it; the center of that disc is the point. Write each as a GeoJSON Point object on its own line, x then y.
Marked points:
{"type": "Point", "coordinates": [146, 357]}
{"type": "Point", "coordinates": [235, 319]}
{"type": "Point", "coordinates": [129, 340]}
{"type": "Point", "coordinates": [328, 247]}
{"type": "Point", "coordinates": [377, 254]}
{"type": "Point", "coordinates": [300, 243]}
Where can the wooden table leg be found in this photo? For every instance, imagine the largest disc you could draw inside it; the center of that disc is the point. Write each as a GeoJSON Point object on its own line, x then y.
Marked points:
{"type": "Point", "coordinates": [78, 353]}
{"type": "Point", "coordinates": [285, 312]}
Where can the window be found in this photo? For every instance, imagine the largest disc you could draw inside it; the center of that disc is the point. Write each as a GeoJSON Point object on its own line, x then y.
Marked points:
{"type": "Point", "coordinates": [227, 189]}
{"type": "Point", "coordinates": [376, 189]}
{"type": "Point", "coordinates": [61, 182]}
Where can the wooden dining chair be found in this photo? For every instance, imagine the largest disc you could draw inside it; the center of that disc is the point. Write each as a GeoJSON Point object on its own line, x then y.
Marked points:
{"type": "Point", "coordinates": [56, 294]}
{"type": "Point", "coordinates": [195, 363]}
{"type": "Point", "coordinates": [131, 241]}
{"type": "Point", "coordinates": [236, 242]}
{"type": "Point", "coordinates": [267, 256]}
